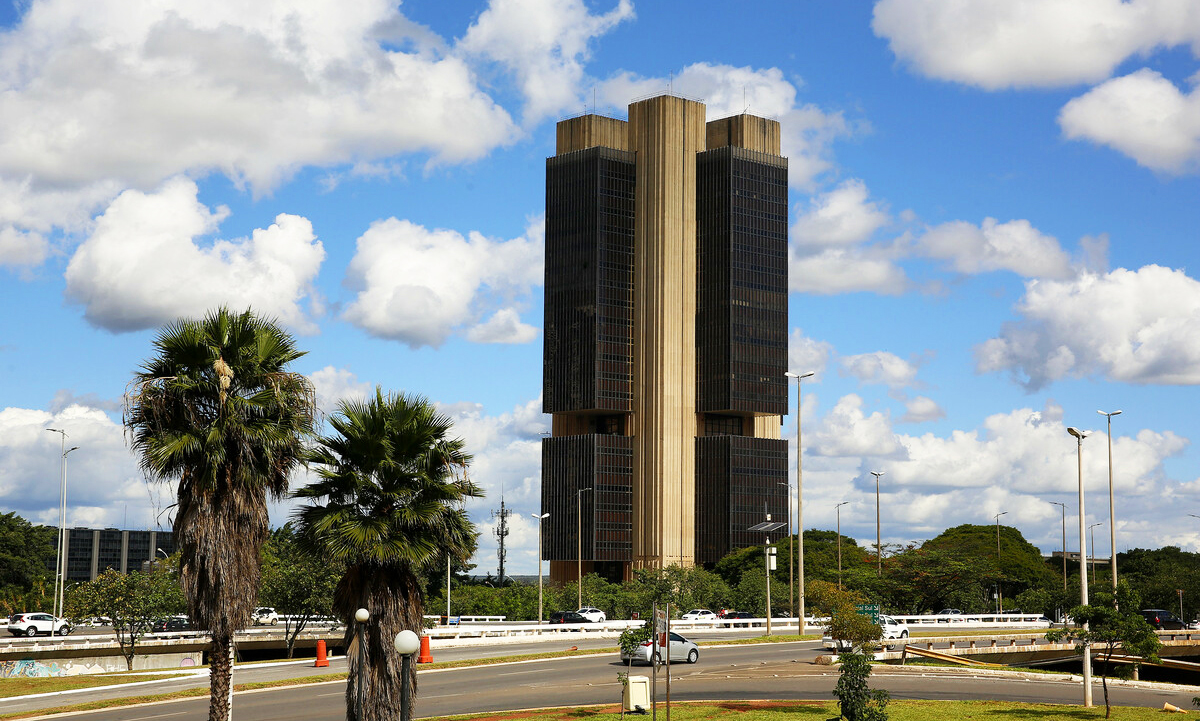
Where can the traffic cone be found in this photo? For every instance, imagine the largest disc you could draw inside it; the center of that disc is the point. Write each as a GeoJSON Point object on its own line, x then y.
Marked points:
{"type": "Point", "coordinates": [425, 656]}
{"type": "Point", "coordinates": [1170, 707]}
{"type": "Point", "coordinates": [322, 660]}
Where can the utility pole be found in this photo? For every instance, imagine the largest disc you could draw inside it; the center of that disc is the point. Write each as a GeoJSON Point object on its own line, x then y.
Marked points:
{"type": "Point", "coordinates": [501, 532]}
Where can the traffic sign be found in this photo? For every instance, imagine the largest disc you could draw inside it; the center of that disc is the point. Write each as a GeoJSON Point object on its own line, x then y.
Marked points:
{"type": "Point", "coordinates": [869, 609]}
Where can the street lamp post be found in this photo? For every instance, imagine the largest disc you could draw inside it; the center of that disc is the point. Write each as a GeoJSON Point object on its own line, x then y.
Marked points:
{"type": "Point", "coordinates": [1092, 556]}
{"type": "Point", "coordinates": [1064, 546]}
{"type": "Point", "coordinates": [62, 501]}
{"type": "Point", "coordinates": [838, 510]}
{"type": "Point", "coordinates": [768, 527]}
{"type": "Point", "coordinates": [799, 498]}
{"type": "Point", "coordinates": [999, 593]}
{"type": "Point", "coordinates": [791, 553]}
{"type": "Point", "coordinates": [406, 644]}
{"type": "Point", "coordinates": [579, 539]}
{"type": "Point", "coordinates": [362, 615]}
{"type": "Point", "coordinates": [540, 518]}
{"type": "Point", "coordinates": [1112, 515]}
{"type": "Point", "coordinates": [1083, 580]}
{"type": "Point", "coordinates": [878, 538]}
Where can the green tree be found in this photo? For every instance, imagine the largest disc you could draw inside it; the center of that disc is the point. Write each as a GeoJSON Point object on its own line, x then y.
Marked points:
{"type": "Point", "coordinates": [217, 412]}
{"type": "Point", "coordinates": [296, 583]}
{"type": "Point", "coordinates": [932, 577]}
{"type": "Point", "coordinates": [133, 601]}
{"type": "Point", "coordinates": [26, 554]}
{"type": "Point", "coordinates": [386, 504]}
{"type": "Point", "coordinates": [1112, 622]}
{"type": "Point", "coordinates": [1020, 566]}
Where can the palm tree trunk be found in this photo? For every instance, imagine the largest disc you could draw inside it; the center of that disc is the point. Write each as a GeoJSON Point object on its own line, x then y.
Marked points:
{"type": "Point", "coordinates": [220, 700]}
{"type": "Point", "coordinates": [393, 599]}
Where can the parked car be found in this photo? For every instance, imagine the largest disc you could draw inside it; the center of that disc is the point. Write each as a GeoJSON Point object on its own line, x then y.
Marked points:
{"type": "Point", "coordinates": [569, 617]}
{"type": "Point", "coordinates": [592, 614]}
{"type": "Point", "coordinates": [31, 624]}
{"type": "Point", "coordinates": [699, 614]}
{"type": "Point", "coordinates": [893, 628]}
{"type": "Point", "coordinates": [175, 623]}
{"type": "Point", "coordinates": [1163, 620]}
{"type": "Point", "coordinates": [265, 616]}
{"type": "Point", "coordinates": [681, 650]}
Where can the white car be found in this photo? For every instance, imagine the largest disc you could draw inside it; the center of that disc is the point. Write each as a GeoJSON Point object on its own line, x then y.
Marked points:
{"type": "Point", "coordinates": [699, 614]}
{"type": "Point", "coordinates": [893, 628]}
{"type": "Point", "coordinates": [31, 624]}
{"type": "Point", "coordinates": [265, 616]}
{"type": "Point", "coordinates": [592, 614]}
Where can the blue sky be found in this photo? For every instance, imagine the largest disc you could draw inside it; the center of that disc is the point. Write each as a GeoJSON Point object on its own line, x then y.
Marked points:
{"type": "Point", "coordinates": [993, 221]}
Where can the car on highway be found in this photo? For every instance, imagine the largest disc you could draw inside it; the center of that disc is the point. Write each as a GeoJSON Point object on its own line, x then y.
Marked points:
{"type": "Point", "coordinates": [893, 628]}
{"type": "Point", "coordinates": [681, 650]}
{"type": "Point", "coordinates": [569, 617]}
{"type": "Point", "coordinates": [32, 624]}
{"type": "Point", "coordinates": [175, 623]}
{"type": "Point", "coordinates": [1163, 620]}
{"type": "Point", "coordinates": [950, 615]}
{"type": "Point", "coordinates": [735, 615]}
{"type": "Point", "coordinates": [265, 616]}
{"type": "Point", "coordinates": [592, 614]}
{"type": "Point", "coordinates": [699, 614]}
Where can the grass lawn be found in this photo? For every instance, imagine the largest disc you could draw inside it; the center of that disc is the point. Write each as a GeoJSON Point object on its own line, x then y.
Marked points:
{"type": "Point", "coordinates": [820, 711]}
{"type": "Point", "coordinates": [21, 686]}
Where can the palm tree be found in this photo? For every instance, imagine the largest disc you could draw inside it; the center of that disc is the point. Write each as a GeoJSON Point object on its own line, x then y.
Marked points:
{"type": "Point", "coordinates": [387, 503]}
{"type": "Point", "coordinates": [216, 411]}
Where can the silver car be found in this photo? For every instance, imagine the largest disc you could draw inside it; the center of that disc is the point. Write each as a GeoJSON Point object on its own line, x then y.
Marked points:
{"type": "Point", "coordinates": [681, 650]}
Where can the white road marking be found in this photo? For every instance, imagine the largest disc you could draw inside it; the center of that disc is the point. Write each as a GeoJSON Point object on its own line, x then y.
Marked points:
{"type": "Point", "coordinates": [161, 715]}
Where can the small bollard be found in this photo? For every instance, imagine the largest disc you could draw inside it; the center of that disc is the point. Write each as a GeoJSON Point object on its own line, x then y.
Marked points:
{"type": "Point", "coordinates": [322, 659]}
{"type": "Point", "coordinates": [425, 656]}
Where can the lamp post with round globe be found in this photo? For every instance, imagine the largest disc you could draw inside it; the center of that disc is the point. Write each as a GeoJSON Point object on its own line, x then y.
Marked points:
{"type": "Point", "coordinates": [406, 644]}
{"type": "Point", "coordinates": [362, 615]}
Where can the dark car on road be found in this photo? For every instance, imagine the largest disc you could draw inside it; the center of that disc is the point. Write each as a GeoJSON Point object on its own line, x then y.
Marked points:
{"type": "Point", "coordinates": [568, 617]}
{"type": "Point", "coordinates": [171, 624]}
{"type": "Point", "coordinates": [731, 615]}
{"type": "Point", "coordinates": [1162, 620]}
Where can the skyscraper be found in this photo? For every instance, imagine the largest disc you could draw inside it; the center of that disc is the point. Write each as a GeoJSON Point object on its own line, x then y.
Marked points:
{"type": "Point", "coordinates": [665, 338]}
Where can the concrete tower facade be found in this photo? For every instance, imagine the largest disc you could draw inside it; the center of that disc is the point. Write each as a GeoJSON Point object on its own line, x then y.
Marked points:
{"type": "Point", "coordinates": [666, 338]}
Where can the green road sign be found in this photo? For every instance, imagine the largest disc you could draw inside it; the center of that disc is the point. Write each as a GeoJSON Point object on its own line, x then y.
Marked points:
{"type": "Point", "coordinates": [870, 609]}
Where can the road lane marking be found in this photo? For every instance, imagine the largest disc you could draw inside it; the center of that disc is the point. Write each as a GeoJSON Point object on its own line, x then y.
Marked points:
{"type": "Point", "coordinates": [161, 715]}
{"type": "Point", "coordinates": [517, 673]}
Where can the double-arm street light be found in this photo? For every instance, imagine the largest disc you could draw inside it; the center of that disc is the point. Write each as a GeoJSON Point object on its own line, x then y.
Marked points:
{"type": "Point", "coordinates": [60, 559]}
{"type": "Point", "coordinates": [1112, 515]}
{"type": "Point", "coordinates": [878, 539]}
{"type": "Point", "coordinates": [999, 593]}
{"type": "Point", "coordinates": [1083, 579]}
{"type": "Point", "coordinates": [838, 510]}
{"type": "Point", "coordinates": [540, 518]}
{"type": "Point", "coordinates": [799, 499]}
{"type": "Point", "coordinates": [579, 537]}
{"type": "Point", "coordinates": [1064, 547]}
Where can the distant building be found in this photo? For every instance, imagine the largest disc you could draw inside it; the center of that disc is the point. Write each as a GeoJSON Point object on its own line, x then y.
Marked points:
{"type": "Point", "coordinates": [92, 551]}
{"type": "Point", "coordinates": [665, 338]}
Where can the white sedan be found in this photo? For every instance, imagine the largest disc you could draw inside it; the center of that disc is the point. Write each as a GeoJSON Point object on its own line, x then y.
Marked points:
{"type": "Point", "coordinates": [699, 614]}
{"type": "Point", "coordinates": [592, 614]}
{"type": "Point", "coordinates": [893, 628]}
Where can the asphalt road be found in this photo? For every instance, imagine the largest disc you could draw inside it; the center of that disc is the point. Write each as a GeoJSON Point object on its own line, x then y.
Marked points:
{"type": "Point", "coordinates": [776, 671]}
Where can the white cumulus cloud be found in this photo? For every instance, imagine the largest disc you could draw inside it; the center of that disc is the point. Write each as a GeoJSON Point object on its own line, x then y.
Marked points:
{"type": "Point", "coordinates": [544, 44]}
{"type": "Point", "coordinates": [921, 409]}
{"type": "Point", "coordinates": [880, 367]}
{"type": "Point", "coordinates": [844, 216]}
{"type": "Point", "coordinates": [808, 131]}
{"type": "Point", "coordinates": [1136, 326]}
{"type": "Point", "coordinates": [847, 431]}
{"type": "Point", "coordinates": [418, 286]}
{"type": "Point", "coordinates": [1142, 115]}
{"type": "Point", "coordinates": [335, 385]}
{"type": "Point", "coordinates": [998, 44]}
{"type": "Point", "coordinates": [1015, 246]}
{"type": "Point", "coordinates": [105, 95]}
{"type": "Point", "coordinates": [144, 264]}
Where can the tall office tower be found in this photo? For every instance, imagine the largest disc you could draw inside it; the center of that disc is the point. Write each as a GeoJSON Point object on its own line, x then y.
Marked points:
{"type": "Point", "coordinates": [665, 338]}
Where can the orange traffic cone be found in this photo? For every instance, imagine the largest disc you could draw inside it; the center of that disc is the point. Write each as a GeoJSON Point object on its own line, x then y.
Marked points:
{"type": "Point", "coordinates": [322, 660]}
{"type": "Point", "coordinates": [425, 656]}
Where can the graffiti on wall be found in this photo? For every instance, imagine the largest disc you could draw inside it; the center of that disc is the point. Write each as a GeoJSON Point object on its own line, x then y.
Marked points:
{"type": "Point", "coordinates": [32, 668]}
